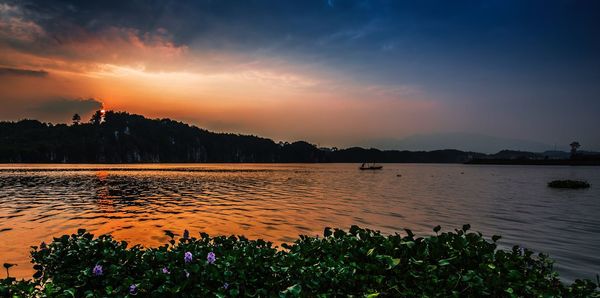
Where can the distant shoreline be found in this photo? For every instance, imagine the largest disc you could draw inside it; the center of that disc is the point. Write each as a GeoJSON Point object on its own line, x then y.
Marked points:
{"type": "Point", "coordinates": [471, 162]}
{"type": "Point", "coordinates": [534, 162]}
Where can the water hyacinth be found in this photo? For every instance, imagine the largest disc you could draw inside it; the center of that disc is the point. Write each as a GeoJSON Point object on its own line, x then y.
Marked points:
{"type": "Point", "coordinates": [385, 262]}
{"type": "Point", "coordinates": [211, 258]}
{"type": "Point", "coordinates": [133, 289]}
{"type": "Point", "coordinates": [43, 245]}
{"type": "Point", "coordinates": [188, 257]}
{"type": "Point", "coordinates": [97, 271]}
{"type": "Point", "coordinates": [186, 234]}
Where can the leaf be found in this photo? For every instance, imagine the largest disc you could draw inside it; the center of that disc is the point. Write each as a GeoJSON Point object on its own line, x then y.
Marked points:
{"type": "Point", "coordinates": [371, 295]}
{"type": "Point", "coordinates": [514, 274]}
{"type": "Point", "coordinates": [370, 252]}
{"type": "Point", "coordinates": [409, 244]}
{"type": "Point", "coordinates": [496, 238]}
{"type": "Point", "coordinates": [293, 290]}
{"type": "Point", "coordinates": [437, 228]}
{"type": "Point", "coordinates": [169, 233]}
{"type": "Point", "coordinates": [327, 232]}
{"type": "Point", "coordinates": [339, 233]}
{"type": "Point", "coordinates": [70, 292]}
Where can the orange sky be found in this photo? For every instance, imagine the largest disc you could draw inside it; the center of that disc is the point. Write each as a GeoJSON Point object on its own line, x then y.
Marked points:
{"type": "Point", "coordinates": [219, 91]}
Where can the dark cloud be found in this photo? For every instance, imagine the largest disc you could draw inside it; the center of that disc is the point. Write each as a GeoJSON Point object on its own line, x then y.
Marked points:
{"type": "Point", "coordinates": [4, 71]}
{"type": "Point", "coordinates": [61, 110]}
{"type": "Point", "coordinates": [426, 36]}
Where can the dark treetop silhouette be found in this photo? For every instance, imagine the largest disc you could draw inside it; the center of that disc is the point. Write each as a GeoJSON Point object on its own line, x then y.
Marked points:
{"type": "Point", "coordinates": [119, 137]}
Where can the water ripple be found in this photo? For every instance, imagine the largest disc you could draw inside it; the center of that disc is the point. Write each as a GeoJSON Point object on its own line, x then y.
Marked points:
{"type": "Point", "coordinates": [279, 201]}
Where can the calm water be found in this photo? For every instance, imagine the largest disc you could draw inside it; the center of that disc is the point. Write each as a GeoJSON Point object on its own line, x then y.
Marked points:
{"type": "Point", "coordinates": [279, 201]}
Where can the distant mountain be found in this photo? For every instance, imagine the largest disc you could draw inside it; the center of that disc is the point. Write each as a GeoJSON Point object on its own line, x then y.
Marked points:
{"type": "Point", "coordinates": [556, 154]}
{"type": "Point", "coordinates": [459, 141]}
{"type": "Point", "coordinates": [513, 154]}
{"type": "Point", "coordinates": [118, 137]}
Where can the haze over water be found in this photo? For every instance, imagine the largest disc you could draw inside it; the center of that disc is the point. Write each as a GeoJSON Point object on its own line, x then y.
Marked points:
{"type": "Point", "coordinates": [277, 202]}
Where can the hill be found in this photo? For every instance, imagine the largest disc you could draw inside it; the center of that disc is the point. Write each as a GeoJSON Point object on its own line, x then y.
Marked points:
{"type": "Point", "coordinates": [120, 137]}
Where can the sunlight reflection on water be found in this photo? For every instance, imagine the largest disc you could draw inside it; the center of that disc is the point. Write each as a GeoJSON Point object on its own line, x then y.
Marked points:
{"type": "Point", "coordinates": [277, 202]}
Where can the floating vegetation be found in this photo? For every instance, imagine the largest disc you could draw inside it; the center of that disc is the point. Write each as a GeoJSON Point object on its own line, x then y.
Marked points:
{"type": "Point", "coordinates": [572, 184]}
{"type": "Point", "coordinates": [358, 262]}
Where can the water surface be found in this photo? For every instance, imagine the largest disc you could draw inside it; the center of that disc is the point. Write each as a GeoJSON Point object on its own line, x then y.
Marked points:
{"type": "Point", "coordinates": [277, 202]}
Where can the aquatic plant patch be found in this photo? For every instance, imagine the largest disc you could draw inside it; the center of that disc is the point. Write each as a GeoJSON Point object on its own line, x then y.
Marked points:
{"type": "Point", "coordinates": [358, 262]}
{"type": "Point", "coordinates": [573, 184]}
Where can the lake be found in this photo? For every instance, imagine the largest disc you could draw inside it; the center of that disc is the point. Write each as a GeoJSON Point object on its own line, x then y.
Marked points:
{"type": "Point", "coordinates": [277, 202]}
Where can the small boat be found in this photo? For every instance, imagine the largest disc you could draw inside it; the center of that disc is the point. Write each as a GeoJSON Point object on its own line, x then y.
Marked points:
{"type": "Point", "coordinates": [371, 166]}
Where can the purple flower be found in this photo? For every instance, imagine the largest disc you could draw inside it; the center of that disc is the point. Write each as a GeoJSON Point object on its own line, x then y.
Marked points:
{"type": "Point", "coordinates": [186, 234]}
{"type": "Point", "coordinates": [97, 271]}
{"type": "Point", "coordinates": [211, 258]}
{"type": "Point", "coordinates": [187, 257]}
{"type": "Point", "coordinates": [133, 289]}
{"type": "Point", "coordinates": [225, 286]}
{"type": "Point", "coordinates": [165, 270]}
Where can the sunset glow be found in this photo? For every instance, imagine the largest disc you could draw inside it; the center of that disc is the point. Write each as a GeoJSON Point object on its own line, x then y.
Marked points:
{"type": "Point", "coordinates": [355, 63]}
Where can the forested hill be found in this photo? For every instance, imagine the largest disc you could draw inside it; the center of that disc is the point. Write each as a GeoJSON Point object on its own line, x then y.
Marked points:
{"type": "Point", "coordinates": [120, 137]}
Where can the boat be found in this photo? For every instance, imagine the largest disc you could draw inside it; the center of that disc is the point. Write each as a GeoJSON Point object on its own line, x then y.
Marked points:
{"type": "Point", "coordinates": [371, 166]}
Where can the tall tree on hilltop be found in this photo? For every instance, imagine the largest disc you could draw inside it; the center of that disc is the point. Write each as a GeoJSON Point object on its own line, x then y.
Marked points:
{"type": "Point", "coordinates": [76, 119]}
{"type": "Point", "coordinates": [96, 118]}
{"type": "Point", "coordinates": [574, 147]}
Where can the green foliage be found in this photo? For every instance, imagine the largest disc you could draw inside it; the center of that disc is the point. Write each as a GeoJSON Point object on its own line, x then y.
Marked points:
{"type": "Point", "coordinates": [10, 287]}
{"type": "Point", "coordinates": [573, 184]}
{"type": "Point", "coordinates": [358, 262]}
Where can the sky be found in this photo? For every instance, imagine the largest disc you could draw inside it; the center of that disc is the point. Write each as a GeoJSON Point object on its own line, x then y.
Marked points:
{"type": "Point", "coordinates": [331, 72]}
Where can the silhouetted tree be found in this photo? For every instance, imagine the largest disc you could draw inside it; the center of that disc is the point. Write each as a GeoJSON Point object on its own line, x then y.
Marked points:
{"type": "Point", "coordinates": [574, 147]}
{"type": "Point", "coordinates": [76, 119]}
{"type": "Point", "coordinates": [96, 118]}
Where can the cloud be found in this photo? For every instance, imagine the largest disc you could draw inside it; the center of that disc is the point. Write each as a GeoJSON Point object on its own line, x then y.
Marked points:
{"type": "Point", "coordinates": [15, 26]}
{"type": "Point", "coordinates": [62, 109]}
{"type": "Point", "coordinates": [7, 71]}
{"type": "Point", "coordinates": [57, 39]}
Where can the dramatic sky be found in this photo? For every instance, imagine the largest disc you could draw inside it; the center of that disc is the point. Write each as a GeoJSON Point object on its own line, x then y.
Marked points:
{"type": "Point", "coordinates": [333, 72]}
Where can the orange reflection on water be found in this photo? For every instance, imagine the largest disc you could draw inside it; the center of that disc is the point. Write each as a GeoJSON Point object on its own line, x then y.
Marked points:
{"type": "Point", "coordinates": [104, 200]}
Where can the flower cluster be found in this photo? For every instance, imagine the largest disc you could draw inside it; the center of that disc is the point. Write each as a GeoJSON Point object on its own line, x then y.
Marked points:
{"type": "Point", "coordinates": [188, 257]}
{"type": "Point", "coordinates": [97, 270]}
{"type": "Point", "coordinates": [211, 258]}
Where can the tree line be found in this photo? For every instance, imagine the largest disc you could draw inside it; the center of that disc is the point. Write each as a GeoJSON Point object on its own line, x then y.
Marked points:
{"type": "Point", "coordinates": [120, 137]}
